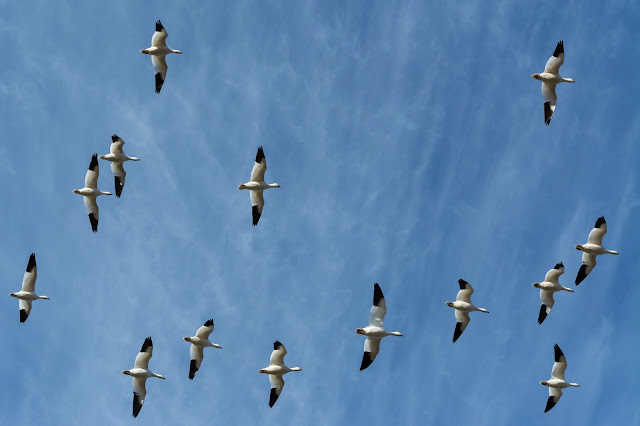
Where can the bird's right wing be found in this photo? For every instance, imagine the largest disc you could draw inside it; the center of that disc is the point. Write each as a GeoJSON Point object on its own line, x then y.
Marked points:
{"type": "Point", "coordinates": [462, 320]}
{"type": "Point", "coordinates": [550, 98]}
{"type": "Point", "coordinates": [257, 204]}
{"type": "Point", "coordinates": [588, 263]}
{"type": "Point", "coordinates": [277, 383]}
{"type": "Point", "coordinates": [139, 393]}
{"type": "Point", "coordinates": [554, 397]}
{"type": "Point", "coordinates": [92, 210]}
{"type": "Point", "coordinates": [118, 175]}
{"type": "Point", "coordinates": [546, 297]}
{"type": "Point", "coordinates": [160, 65]}
{"type": "Point", "coordinates": [25, 309]}
{"type": "Point", "coordinates": [371, 349]}
{"type": "Point", "coordinates": [196, 359]}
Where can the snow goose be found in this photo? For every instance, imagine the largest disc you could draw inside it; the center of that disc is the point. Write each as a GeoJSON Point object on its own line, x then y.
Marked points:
{"type": "Point", "coordinates": [117, 157]}
{"type": "Point", "coordinates": [549, 286]}
{"type": "Point", "coordinates": [592, 248]}
{"type": "Point", "coordinates": [375, 330]}
{"type": "Point", "coordinates": [198, 343]}
{"type": "Point", "coordinates": [556, 383]}
{"type": "Point", "coordinates": [257, 185]}
{"type": "Point", "coordinates": [140, 373]}
{"type": "Point", "coordinates": [463, 306]}
{"type": "Point", "coordinates": [28, 292]}
{"type": "Point", "coordinates": [549, 78]}
{"type": "Point", "coordinates": [158, 51]}
{"type": "Point", "coordinates": [91, 191]}
{"type": "Point", "coordinates": [276, 370]}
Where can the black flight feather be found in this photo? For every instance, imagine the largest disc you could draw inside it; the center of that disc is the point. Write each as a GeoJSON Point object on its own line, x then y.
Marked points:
{"type": "Point", "coordinates": [377, 294]}
{"type": "Point", "coordinates": [559, 49]}
{"type": "Point", "coordinates": [276, 345]}
{"type": "Point", "coordinates": [600, 221]}
{"type": "Point", "coordinates": [159, 82]}
{"type": "Point", "coordinates": [582, 274]}
{"type": "Point", "coordinates": [209, 323]}
{"type": "Point", "coordinates": [147, 343]}
{"type": "Point", "coordinates": [543, 314]}
{"type": "Point", "coordinates": [547, 113]}
{"type": "Point", "coordinates": [192, 369]}
{"type": "Point", "coordinates": [136, 405]}
{"type": "Point", "coordinates": [457, 332]}
{"type": "Point", "coordinates": [32, 262]}
{"type": "Point", "coordinates": [558, 266]}
{"type": "Point", "coordinates": [463, 284]}
{"type": "Point", "coordinates": [94, 222]}
{"type": "Point", "coordinates": [366, 360]}
{"type": "Point", "coordinates": [557, 352]}
{"type": "Point", "coordinates": [159, 26]}
{"type": "Point", "coordinates": [94, 162]}
{"type": "Point", "coordinates": [273, 397]}
{"type": "Point", "coordinates": [550, 404]}
{"type": "Point", "coordinates": [118, 185]}
{"type": "Point", "coordinates": [259, 155]}
{"type": "Point", "coordinates": [23, 315]}
{"type": "Point", "coordinates": [255, 214]}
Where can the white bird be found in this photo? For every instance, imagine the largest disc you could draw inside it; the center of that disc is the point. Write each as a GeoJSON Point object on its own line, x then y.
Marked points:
{"type": "Point", "coordinates": [117, 157]}
{"type": "Point", "coordinates": [198, 343]}
{"type": "Point", "coordinates": [463, 306]}
{"type": "Point", "coordinates": [257, 184]}
{"type": "Point", "coordinates": [140, 373]}
{"type": "Point", "coordinates": [557, 382]}
{"type": "Point", "coordinates": [549, 78]}
{"type": "Point", "coordinates": [28, 292]}
{"type": "Point", "coordinates": [91, 191]}
{"type": "Point", "coordinates": [275, 370]}
{"type": "Point", "coordinates": [158, 51]}
{"type": "Point", "coordinates": [592, 249]}
{"type": "Point", "coordinates": [375, 330]}
{"type": "Point", "coordinates": [549, 286]}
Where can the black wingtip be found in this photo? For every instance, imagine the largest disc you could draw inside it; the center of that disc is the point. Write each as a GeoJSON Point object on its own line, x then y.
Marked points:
{"type": "Point", "coordinates": [209, 323]}
{"type": "Point", "coordinates": [159, 82]}
{"type": "Point", "coordinates": [255, 214]}
{"type": "Point", "coordinates": [547, 113]}
{"type": "Point", "coordinates": [94, 162]}
{"type": "Point", "coordinates": [550, 404]}
{"type": "Point", "coordinates": [599, 222]}
{"type": "Point", "coordinates": [557, 352]}
{"type": "Point", "coordinates": [366, 360]}
{"type": "Point", "coordinates": [377, 294]}
{"type": "Point", "coordinates": [32, 262]}
{"type": "Point", "coordinates": [23, 315]}
{"type": "Point", "coordinates": [147, 343]}
{"type": "Point", "coordinates": [192, 369]}
{"type": "Point", "coordinates": [457, 332]}
{"type": "Point", "coordinates": [94, 222]}
{"type": "Point", "coordinates": [136, 405]}
{"type": "Point", "coordinates": [463, 284]}
{"type": "Point", "coordinates": [543, 314]}
{"type": "Point", "coordinates": [558, 266]}
{"type": "Point", "coordinates": [276, 345]}
{"type": "Point", "coordinates": [582, 274]}
{"type": "Point", "coordinates": [559, 49]}
{"type": "Point", "coordinates": [259, 155]}
{"type": "Point", "coordinates": [118, 186]}
{"type": "Point", "coordinates": [115, 138]}
{"type": "Point", "coordinates": [159, 26]}
{"type": "Point", "coordinates": [273, 397]}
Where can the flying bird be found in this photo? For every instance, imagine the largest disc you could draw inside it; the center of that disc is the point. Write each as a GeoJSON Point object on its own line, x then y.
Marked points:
{"type": "Point", "coordinates": [549, 78]}
{"type": "Point", "coordinates": [28, 292]}
{"type": "Point", "coordinates": [198, 343]}
{"type": "Point", "coordinates": [375, 330]}
{"type": "Point", "coordinates": [158, 51]}
{"type": "Point", "coordinates": [257, 185]}
{"type": "Point", "coordinates": [117, 157]}
{"type": "Point", "coordinates": [463, 306]}
{"type": "Point", "coordinates": [140, 373]}
{"type": "Point", "coordinates": [556, 383]}
{"type": "Point", "coordinates": [549, 286]}
{"type": "Point", "coordinates": [592, 249]}
{"type": "Point", "coordinates": [91, 191]}
{"type": "Point", "coordinates": [276, 370]}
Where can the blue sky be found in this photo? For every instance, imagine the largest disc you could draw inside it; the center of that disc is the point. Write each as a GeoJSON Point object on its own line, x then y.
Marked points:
{"type": "Point", "coordinates": [410, 144]}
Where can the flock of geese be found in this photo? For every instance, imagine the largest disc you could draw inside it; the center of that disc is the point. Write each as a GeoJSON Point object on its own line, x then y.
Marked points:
{"type": "Point", "coordinates": [375, 331]}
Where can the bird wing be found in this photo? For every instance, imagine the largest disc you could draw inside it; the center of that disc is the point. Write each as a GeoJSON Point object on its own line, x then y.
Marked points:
{"type": "Point", "coordinates": [378, 309]}
{"type": "Point", "coordinates": [553, 275]}
{"type": "Point", "coordinates": [554, 397]}
{"type": "Point", "coordinates": [116, 145]}
{"type": "Point", "coordinates": [25, 309]}
{"type": "Point", "coordinates": [259, 167]}
{"type": "Point", "coordinates": [277, 383]}
{"type": "Point", "coordinates": [556, 60]}
{"type": "Point", "coordinates": [371, 349]}
{"type": "Point", "coordinates": [160, 36]}
{"type": "Point", "coordinates": [205, 330]}
{"type": "Point", "coordinates": [197, 354]}
{"type": "Point", "coordinates": [160, 65]}
{"type": "Point", "coordinates": [139, 393]}
{"type": "Point", "coordinates": [118, 175]}
{"type": "Point", "coordinates": [595, 236]}
{"type": "Point", "coordinates": [92, 210]}
{"type": "Point", "coordinates": [257, 204]}
{"type": "Point", "coordinates": [143, 357]}
{"type": "Point", "coordinates": [465, 292]}
{"type": "Point", "coordinates": [550, 98]}
{"type": "Point", "coordinates": [588, 263]}
{"type": "Point", "coordinates": [30, 275]}
{"type": "Point", "coordinates": [91, 178]}
{"type": "Point", "coordinates": [546, 297]}
{"type": "Point", "coordinates": [462, 320]}
{"type": "Point", "coordinates": [277, 356]}
{"type": "Point", "coordinates": [560, 364]}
